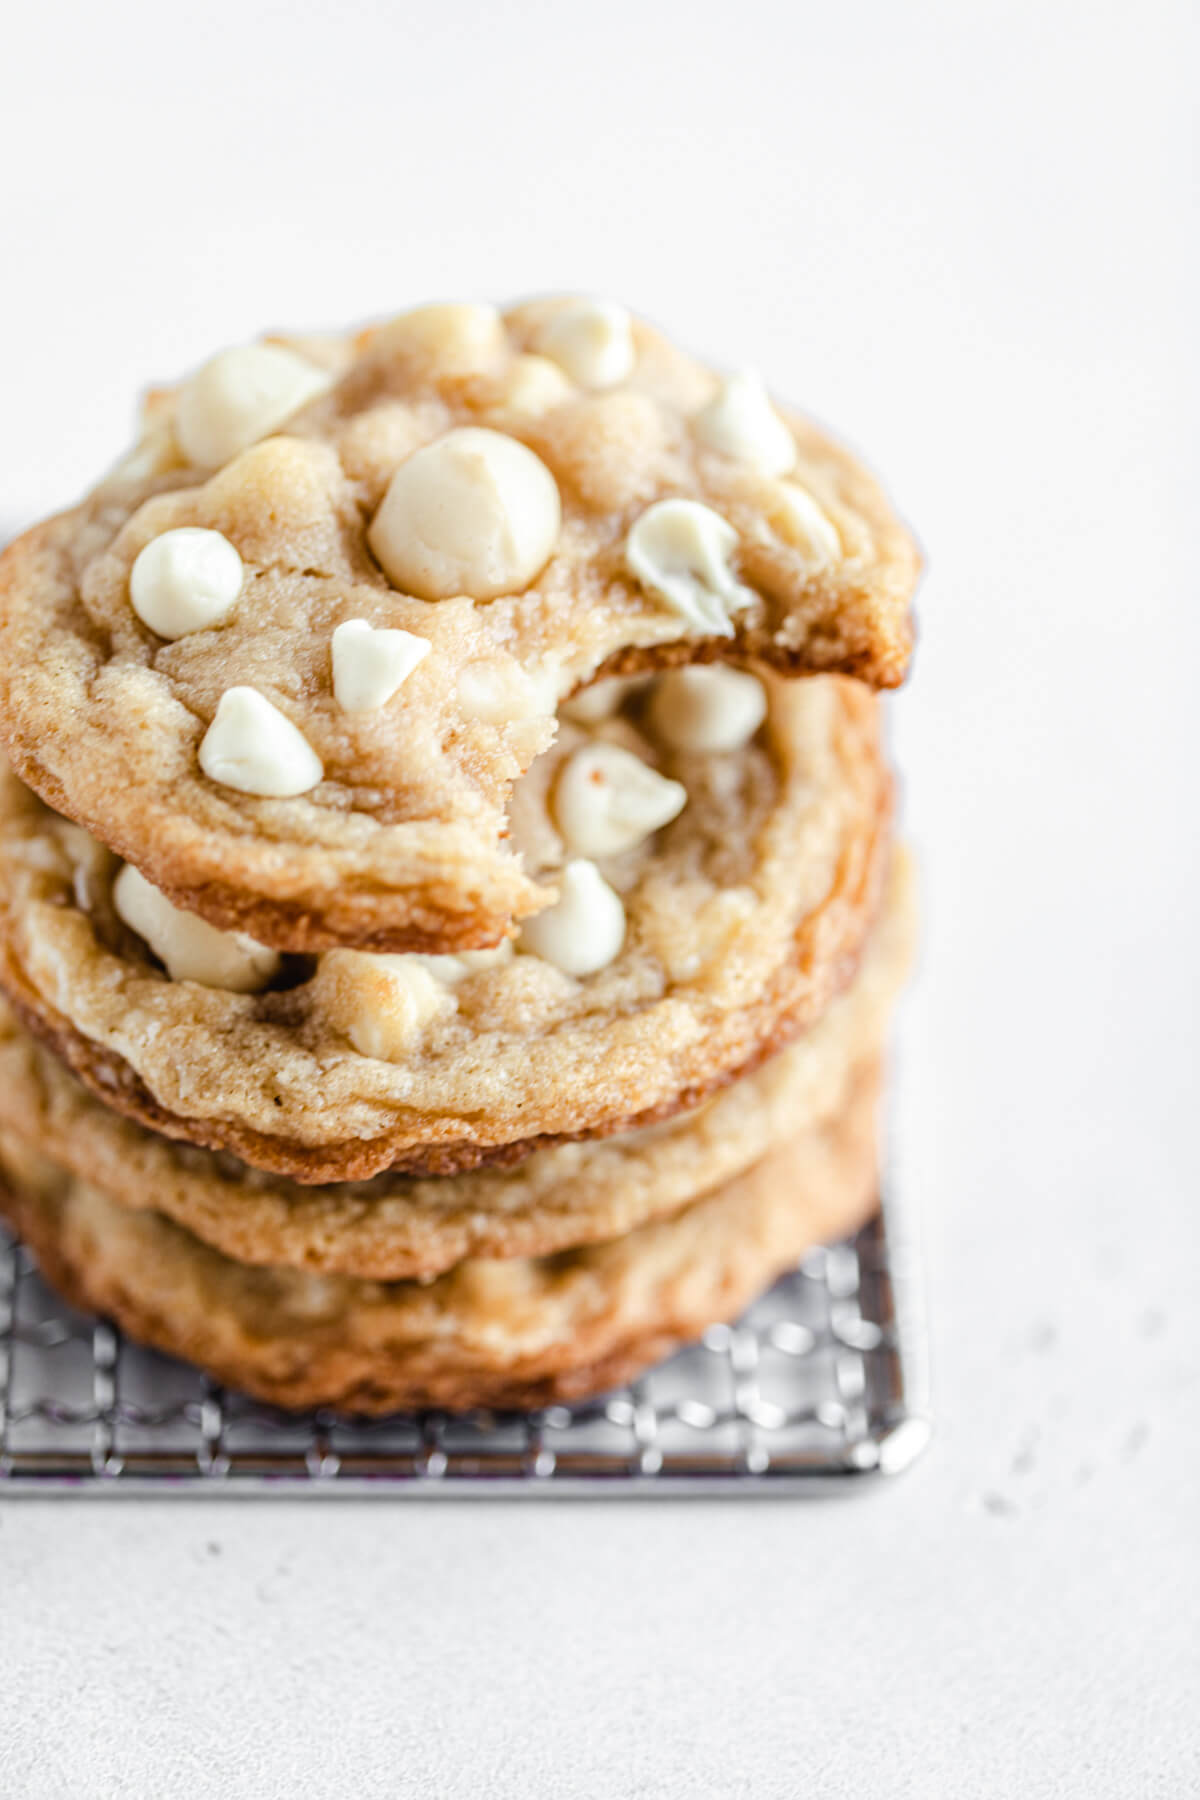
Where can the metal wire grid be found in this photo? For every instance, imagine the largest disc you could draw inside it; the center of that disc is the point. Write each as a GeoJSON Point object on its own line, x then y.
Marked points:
{"type": "Point", "coordinates": [821, 1383]}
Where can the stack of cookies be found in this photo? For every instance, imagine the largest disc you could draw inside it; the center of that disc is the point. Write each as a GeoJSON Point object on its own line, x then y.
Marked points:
{"type": "Point", "coordinates": [448, 908]}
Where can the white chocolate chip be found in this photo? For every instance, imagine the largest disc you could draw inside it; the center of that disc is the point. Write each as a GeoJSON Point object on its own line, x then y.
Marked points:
{"type": "Point", "coordinates": [381, 1003]}
{"type": "Point", "coordinates": [473, 513]}
{"type": "Point", "coordinates": [252, 747]}
{"type": "Point", "coordinates": [453, 969]}
{"type": "Point", "coordinates": [591, 705]}
{"type": "Point", "coordinates": [606, 800]}
{"type": "Point", "coordinates": [741, 422]}
{"type": "Point", "coordinates": [707, 708]}
{"type": "Point", "coordinates": [680, 552]}
{"type": "Point", "coordinates": [370, 663]}
{"type": "Point", "coordinates": [584, 930]}
{"type": "Point", "coordinates": [191, 949]}
{"type": "Point", "coordinates": [185, 580]}
{"type": "Point", "coordinates": [534, 385]}
{"type": "Point", "coordinates": [239, 396]}
{"type": "Point", "coordinates": [591, 339]}
{"type": "Point", "coordinates": [808, 527]}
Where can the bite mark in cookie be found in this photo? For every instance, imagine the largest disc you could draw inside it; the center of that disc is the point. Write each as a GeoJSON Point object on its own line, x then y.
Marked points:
{"type": "Point", "coordinates": [548, 497]}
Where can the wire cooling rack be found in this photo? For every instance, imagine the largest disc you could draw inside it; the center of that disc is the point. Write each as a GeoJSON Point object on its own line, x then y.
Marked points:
{"type": "Point", "coordinates": [822, 1382]}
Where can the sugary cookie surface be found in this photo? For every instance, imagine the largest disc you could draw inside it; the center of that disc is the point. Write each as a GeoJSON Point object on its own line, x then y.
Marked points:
{"type": "Point", "coordinates": [290, 657]}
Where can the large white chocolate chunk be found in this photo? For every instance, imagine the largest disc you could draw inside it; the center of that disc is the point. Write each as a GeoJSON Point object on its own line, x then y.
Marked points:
{"type": "Point", "coordinates": [239, 396]}
{"type": "Point", "coordinates": [185, 580]}
{"type": "Point", "coordinates": [806, 526]}
{"type": "Point", "coordinates": [592, 340]}
{"type": "Point", "coordinates": [741, 423]}
{"type": "Point", "coordinates": [370, 663]}
{"type": "Point", "coordinates": [473, 513]}
{"type": "Point", "coordinates": [190, 949]}
{"type": "Point", "coordinates": [606, 800]}
{"type": "Point", "coordinates": [252, 747]}
{"type": "Point", "coordinates": [680, 552]}
{"type": "Point", "coordinates": [584, 930]}
{"type": "Point", "coordinates": [381, 1003]}
{"type": "Point", "coordinates": [707, 708]}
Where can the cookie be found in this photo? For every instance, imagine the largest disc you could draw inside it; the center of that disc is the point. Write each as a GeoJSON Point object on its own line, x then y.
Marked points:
{"type": "Point", "coordinates": [512, 1333]}
{"type": "Point", "coordinates": [740, 921]}
{"type": "Point", "coordinates": [290, 658]}
{"type": "Point", "coordinates": [402, 1227]}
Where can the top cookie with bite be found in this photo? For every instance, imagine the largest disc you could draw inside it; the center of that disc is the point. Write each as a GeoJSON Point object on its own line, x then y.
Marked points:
{"type": "Point", "coordinates": [289, 657]}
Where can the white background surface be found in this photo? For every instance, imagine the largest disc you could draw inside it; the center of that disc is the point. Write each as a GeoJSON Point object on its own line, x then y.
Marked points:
{"type": "Point", "coordinates": [966, 236]}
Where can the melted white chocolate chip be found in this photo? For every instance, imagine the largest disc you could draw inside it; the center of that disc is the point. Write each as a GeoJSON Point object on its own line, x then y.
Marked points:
{"type": "Point", "coordinates": [591, 339]}
{"type": "Point", "coordinates": [239, 396]}
{"type": "Point", "coordinates": [473, 513]}
{"type": "Point", "coordinates": [806, 526]}
{"type": "Point", "coordinates": [185, 580]}
{"type": "Point", "coordinates": [606, 800]}
{"type": "Point", "coordinates": [584, 930]}
{"type": "Point", "coordinates": [252, 747]}
{"type": "Point", "coordinates": [680, 552]}
{"type": "Point", "coordinates": [371, 663]}
{"type": "Point", "coordinates": [190, 949]}
{"type": "Point", "coordinates": [741, 423]}
{"type": "Point", "coordinates": [707, 708]}
{"type": "Point", "coordinates": [381, 1003]}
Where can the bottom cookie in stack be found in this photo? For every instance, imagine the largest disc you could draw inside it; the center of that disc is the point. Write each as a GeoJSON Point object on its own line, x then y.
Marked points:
{"type": "Point", "coordinates": [511, 1332]}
